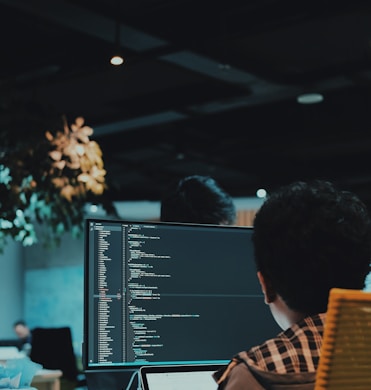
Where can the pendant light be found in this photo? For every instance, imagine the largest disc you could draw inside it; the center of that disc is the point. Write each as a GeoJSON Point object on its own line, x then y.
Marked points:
{"type": "Point", "coordinates": [117, 58]}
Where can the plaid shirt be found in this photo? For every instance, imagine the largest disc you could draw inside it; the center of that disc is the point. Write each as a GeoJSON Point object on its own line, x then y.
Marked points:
{"type": "Point", "coordinates": [295, 350]}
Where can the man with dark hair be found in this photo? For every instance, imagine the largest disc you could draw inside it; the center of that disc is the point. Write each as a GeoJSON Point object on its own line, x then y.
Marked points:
{"type": "Point", "coordinates": [24, 334]}
{"type": "Point", "coordinates": [198, 199]}
{"type": "Point", "coordinates": [22, 331]}
{"type": "Point", "coordinates": [308, 238]}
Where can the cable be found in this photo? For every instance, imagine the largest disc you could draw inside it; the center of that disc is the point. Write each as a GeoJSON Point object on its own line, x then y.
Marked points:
{"type": "Point", "coordinates": [139, 387]}
{"type": "Point", "coordinates": [139, 384]}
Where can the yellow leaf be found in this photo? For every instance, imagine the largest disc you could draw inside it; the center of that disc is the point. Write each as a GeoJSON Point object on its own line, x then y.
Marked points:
{"type": "Point", "coordinates": [87, 130]}
{"type": "Point", "coordinates": [56, 155]}
{"type": "Point", "coordinates": [83, 138]}
{"type": "Point", "coordinates": [67, 192]}
{"type": "Point", "coordinates": [59, 182]}
{"type": "Point", "coordinates": [73, 164]}
{"type": "Point", "coordinates": [79, 121]}
{"type": "Point", "coordinates": [59, 164]}
{"type": "Point", "coordinates": [83, 177]}
{"type": "Point", "coordinates": [49, 136]}
{"type": "Point", "coordinates": [98, 189]}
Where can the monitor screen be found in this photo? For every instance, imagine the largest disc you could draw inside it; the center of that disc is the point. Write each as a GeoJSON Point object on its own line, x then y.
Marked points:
{"type": "Point", "coordinates": [169, 293]}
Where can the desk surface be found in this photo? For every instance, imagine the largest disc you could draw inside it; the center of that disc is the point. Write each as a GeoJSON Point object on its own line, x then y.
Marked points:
{"type": "Point", "coordinates": [47, 374]}
{"type": "Point", "coordinates": [47, 379]}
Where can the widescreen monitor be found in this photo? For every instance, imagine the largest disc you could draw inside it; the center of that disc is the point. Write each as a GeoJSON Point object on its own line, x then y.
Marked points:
{"type": "Point", "coordinates": [169, 293]}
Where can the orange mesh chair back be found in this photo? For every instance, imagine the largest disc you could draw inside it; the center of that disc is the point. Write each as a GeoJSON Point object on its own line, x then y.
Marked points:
{"type": "Point", "coordinates": [345, 361]}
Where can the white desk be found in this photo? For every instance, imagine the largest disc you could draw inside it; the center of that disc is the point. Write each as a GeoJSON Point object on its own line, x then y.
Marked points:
{"type": "Point", "coordinates": [47, 380]}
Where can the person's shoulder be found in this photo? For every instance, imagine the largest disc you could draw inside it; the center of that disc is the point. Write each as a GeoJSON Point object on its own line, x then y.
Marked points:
{"type": "Point", "coordinates": [262, 352]}
{"type": "Point", "coordinates": [242, 373]}
{"type": "Point", "coordinates": [308, 328]}
{"type": "Point", "coordinates": [295, 350]}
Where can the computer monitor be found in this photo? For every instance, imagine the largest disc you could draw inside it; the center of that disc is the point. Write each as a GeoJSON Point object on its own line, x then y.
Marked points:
{"type": "Point", "coordinates": [169, 293]}
{"type": "Point", "coordinates": [11, 343]}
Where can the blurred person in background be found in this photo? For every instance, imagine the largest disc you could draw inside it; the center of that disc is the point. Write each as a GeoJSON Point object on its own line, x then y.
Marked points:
{"type": "Point", "coordinates": [197, 199]}
{"type": "Point", "coordinates": [24, 334]}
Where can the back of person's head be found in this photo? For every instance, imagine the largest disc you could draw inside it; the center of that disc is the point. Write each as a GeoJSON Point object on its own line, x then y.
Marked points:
{"type": "Point", "coordinates": [198, 199]}
{"type": "Point", "coordinates": [309, 238]}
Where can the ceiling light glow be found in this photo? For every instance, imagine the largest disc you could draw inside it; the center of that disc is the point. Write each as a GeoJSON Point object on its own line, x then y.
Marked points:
{"type": "Point", "coordinates": [261, 193]}
{"type": "Point", "coordinates": [310, 98]}
{"type": "Point", "coordinates": [116, 60]}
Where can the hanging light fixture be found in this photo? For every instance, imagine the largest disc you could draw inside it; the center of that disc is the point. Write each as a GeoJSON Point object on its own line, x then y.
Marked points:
{"type": "Point", "coordinates": [310, 98]}
{"type": "Point", "coordinates": [117, 59]}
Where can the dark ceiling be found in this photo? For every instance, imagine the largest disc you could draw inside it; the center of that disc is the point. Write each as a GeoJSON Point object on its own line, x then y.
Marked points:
{"type": "Point", "coordinates": [207, 87]}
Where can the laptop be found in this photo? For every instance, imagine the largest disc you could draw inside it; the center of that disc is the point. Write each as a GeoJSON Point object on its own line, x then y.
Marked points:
{"type": "Point", "coordinates": [179, 377]}
{"type": "Point", "coordinates": [7, 353]}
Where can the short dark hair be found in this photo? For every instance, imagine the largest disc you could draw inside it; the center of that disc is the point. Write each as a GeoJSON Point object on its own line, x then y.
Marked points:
{"type": "Point", "coordinates": [19, 322]}
{"type": "Point", "coordinates": [309, 238]}
{"type": "Point", "coordinates": [197, 199]}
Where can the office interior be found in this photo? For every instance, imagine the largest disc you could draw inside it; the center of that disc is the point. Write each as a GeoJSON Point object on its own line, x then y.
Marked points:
{"type": "Point", "coordinates": [255, 94]}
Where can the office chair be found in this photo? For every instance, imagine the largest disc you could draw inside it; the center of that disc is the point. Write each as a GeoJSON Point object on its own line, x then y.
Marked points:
{"type": "Point", "coordinates": [53, 348]}
{"type": "Point", "coordinates": [345, 361]}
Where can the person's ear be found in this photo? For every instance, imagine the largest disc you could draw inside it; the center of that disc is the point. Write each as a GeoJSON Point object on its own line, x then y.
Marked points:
{"type": "Point", "coordinates": [269, 293]}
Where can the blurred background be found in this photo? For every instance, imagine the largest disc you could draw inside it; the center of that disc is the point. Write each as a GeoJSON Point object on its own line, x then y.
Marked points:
{"type": "Point", "coordinates": [210, 87]}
